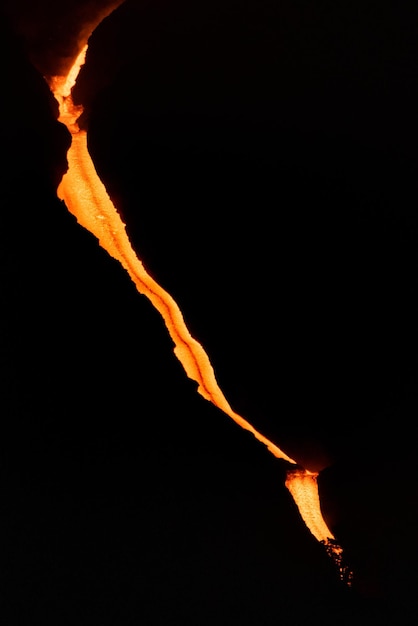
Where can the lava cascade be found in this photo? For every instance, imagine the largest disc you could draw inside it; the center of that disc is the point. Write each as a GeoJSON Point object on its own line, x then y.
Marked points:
{"type": "Point", "coordinates": [86, 198]}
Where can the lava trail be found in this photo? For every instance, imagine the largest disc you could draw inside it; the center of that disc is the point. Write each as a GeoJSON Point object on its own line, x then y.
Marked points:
{"type": "Point", "coordinates": [87, 199]}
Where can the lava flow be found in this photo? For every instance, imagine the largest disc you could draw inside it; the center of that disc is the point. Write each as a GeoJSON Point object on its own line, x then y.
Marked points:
{"type": "Point", "coordinates": [86, 198]}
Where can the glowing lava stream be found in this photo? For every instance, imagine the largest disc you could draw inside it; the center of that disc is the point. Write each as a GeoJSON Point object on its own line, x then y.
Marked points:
{"type": "Point", "coordinates": [86, 198]}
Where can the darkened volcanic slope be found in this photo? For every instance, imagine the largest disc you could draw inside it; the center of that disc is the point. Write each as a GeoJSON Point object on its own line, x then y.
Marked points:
{"type": "Point", "coordinates": [120, 503]}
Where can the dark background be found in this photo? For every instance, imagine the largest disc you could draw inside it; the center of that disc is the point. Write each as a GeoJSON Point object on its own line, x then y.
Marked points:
{"type": "Point", "coordinates": [263, 156]}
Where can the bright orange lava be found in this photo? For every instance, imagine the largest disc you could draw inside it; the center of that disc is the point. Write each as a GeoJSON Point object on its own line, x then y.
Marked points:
{"type": "Point", "coordinates": [304, 489]}
{"type": "Point", "coordinates": [86, 198]}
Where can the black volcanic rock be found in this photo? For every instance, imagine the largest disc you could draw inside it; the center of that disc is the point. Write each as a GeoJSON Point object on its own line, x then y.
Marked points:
{"type": "Point", "coordinates": [32, 140]}
{"type": "Point", "coordinates": [51, 33]}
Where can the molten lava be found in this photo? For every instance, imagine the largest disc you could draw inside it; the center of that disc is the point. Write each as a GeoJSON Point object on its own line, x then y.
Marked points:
{"type": "Point", "coordinates": [303, 486]}
{"type": "Point", "coordinates": [86, 198]}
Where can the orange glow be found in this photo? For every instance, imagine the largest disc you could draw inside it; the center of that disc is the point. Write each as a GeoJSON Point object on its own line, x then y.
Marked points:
{"type": "Point", "coordinates": [86, 198]}
{"type": "Point", "coordinates": [61, 88]}
{"type": "Point", "coordinates": [61, 85]}
{"type": "Point", "coordinates": [303, 486]}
